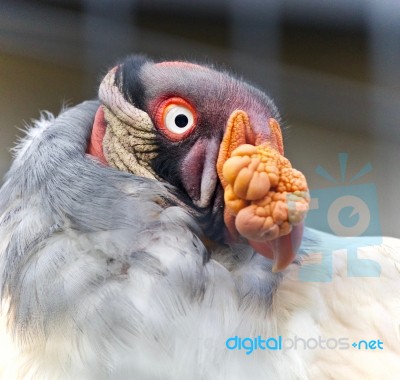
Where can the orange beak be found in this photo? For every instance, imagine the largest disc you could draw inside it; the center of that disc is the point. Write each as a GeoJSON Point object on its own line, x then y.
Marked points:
{"type": "Point", "coordinates": [248, 198]}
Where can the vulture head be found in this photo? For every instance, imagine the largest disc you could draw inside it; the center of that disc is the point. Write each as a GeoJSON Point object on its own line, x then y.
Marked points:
{"type": "Point", "coordinates": [214, 140]}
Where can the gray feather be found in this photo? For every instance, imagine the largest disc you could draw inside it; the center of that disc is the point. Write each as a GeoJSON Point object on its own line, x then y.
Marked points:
{"type": "Point", "coordinates": [91, 258]}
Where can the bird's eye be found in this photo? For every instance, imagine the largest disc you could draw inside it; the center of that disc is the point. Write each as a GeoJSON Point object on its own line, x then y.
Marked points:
{"type": "Point", "coordinates": [176, 118]}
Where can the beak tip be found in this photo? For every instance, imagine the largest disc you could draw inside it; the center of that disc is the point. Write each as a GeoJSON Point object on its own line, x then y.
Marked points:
{"type": "Point", "coordinates": [276, 268]}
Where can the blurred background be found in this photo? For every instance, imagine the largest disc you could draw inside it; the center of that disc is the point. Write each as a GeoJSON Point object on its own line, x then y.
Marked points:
{"type": "Point", "coordinates": [333, 68]}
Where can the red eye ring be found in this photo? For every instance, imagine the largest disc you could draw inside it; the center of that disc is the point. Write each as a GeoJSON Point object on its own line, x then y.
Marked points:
{"type": "Point", "coordinates": [176, 118]}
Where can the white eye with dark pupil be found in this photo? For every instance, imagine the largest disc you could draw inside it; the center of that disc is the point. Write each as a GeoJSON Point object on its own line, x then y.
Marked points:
{"type": "Point", "coordinates": [178, 119]}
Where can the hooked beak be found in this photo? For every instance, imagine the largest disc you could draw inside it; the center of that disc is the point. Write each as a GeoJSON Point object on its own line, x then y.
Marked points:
{"type": "Point", "coordinates": [243, 202]}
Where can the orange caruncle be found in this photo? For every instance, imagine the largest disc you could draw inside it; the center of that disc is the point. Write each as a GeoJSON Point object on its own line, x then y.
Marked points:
{"type": "Point", "coordinates": [264, 192]}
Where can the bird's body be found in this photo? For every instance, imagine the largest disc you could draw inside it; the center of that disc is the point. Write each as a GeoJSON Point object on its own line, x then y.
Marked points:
{"type": "Point", "coordinates": [106, 276]}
